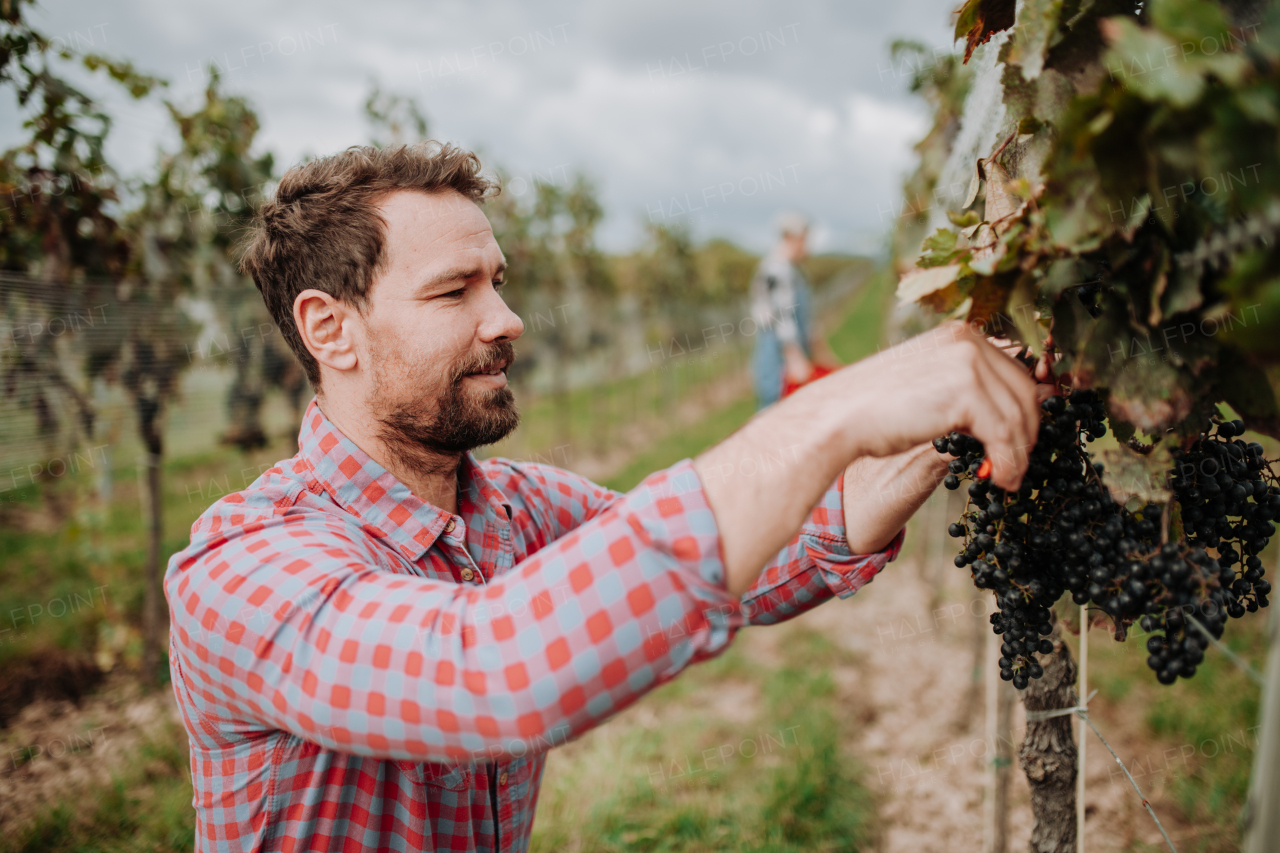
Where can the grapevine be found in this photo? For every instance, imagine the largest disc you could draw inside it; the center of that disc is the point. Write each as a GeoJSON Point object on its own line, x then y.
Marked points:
{"type": "Point", "coordinates": [1062, 531]}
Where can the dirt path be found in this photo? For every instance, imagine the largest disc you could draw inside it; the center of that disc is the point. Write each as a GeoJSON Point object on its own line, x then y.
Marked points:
{"type": "Point", "coordinates": [925, 759]}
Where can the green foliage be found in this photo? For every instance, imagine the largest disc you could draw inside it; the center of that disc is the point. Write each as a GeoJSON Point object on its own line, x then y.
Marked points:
{"type": "Point", "coordinates": [396, 119]}
{"type": "Point", "coordinates": [1132, 209]}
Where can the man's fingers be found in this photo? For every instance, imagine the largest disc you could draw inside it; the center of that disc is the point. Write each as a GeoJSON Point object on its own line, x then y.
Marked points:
{"type": "Point", "coordinates": [1013, 376]}
{"type": "Point", "coordinates": [1008, 450]}
{"type": "Point", "coordinates": [1001, 447]}
{"type": "Point", "coordinates": [990, 415]}
{"type": "Point", "coordinates": [1008, 414]}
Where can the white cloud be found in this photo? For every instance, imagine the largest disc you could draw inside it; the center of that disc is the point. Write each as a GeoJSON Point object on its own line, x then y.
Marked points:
{"type": "Point", "coordinates": [813, 122]}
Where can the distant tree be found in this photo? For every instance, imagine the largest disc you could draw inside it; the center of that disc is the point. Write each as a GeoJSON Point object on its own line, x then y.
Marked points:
{"type": "Point", "coordinates": [63, 232]}
{"type": "Point", "coordinates": [223, 182]}
{"type": "Point", "coordinates": [395, 119]}
{"type": "Point", "coordinates": [57, 230]}
{"type": "Point", "coordinates": [667, 281]}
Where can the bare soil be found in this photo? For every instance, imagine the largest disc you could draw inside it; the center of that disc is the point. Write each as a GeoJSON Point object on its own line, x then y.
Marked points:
{"type": "Point", "coordinates": [926, 753]}
{"type": "Point", "coordinates": [54, 748]}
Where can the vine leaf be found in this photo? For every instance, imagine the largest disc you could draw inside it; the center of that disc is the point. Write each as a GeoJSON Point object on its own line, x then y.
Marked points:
{"type": "Point", "coordinates": [979, 20]}
{"type": "Point", "coordinates": [987, 308]}
{"type": "Point", "coordinates": [1022, 308]}
{"type": "Point", "coordinates": [939, 249]}
{"type": "Point", "coordinates": [1002, 198]}
{"type": "Point", "coordinates": [1130, 475]}
{"type": "Point", "coordinates": [1152, 64]}
{"type": "Point", "coordinates": [1031, 38]}
{"type": "Point", "coordinates": [933, 286]}
{"type": "Point", "coordinates": [1122, 429]}
{"type": "Point", "coordinates": [1251, 391]}
{"type": "Point", "coordinates": [1149, 393]}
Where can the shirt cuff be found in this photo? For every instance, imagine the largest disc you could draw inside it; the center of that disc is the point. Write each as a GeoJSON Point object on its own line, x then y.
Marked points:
{"type": "Point", "coordinates": [825, 539]}
{"type": "Point", "coordinates": [843, 571]}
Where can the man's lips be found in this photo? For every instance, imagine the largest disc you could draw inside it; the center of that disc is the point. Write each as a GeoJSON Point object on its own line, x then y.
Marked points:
{"type": "Point", "coordinates": [493, 371]}
{"type": "Point", "coordinates": [497, 374]}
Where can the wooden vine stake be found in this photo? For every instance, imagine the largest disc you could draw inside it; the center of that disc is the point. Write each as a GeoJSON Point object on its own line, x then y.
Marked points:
{"type": "Point", "coordinates": [999, 737]}
{"type": "Point", "coordinates": [1048, 753]}
{"type": "Point", "coordinates": [1263, 812]}
{"type": "Point", "coordinates": [1080, 744]}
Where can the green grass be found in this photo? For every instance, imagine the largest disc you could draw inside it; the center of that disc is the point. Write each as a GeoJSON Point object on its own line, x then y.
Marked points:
{"type": "Point", "coordinates": [1201, 735]}
{"type": "Point", "coordinates": [861, 332]}
{"type": "Point", "coordinates": [557, 427]}
{"type": "Point", "coordinates": [857, 336]}
{"type": "Point", "coordinates": [684, 443]}
{"type": "Point", "coordinates": [82, 585]}
{"type": "Point", "coordinates": [780, 780]}
{"type": "Point", "coordinates": [146, 808]}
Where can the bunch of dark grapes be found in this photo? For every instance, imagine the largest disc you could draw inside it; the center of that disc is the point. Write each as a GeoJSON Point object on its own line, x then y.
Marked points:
{"type": "Point", "coordinates": [1062, 532]}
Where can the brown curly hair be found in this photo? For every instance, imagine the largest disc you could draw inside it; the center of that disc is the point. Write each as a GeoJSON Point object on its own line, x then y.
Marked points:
{"type": "Point", "coordinates": [322, 229]}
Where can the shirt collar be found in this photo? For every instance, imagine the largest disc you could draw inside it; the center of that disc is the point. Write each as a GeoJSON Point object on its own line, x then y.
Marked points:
{"type": "Point", "coordinates": [384, 505]}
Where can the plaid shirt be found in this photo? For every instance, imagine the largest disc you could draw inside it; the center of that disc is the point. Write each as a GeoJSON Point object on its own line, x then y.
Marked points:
{"type": "Point", "coordinates": [359, 670]}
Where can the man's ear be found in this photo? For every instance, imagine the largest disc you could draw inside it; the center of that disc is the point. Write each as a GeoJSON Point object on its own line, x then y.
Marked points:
{"type": "Point", "coordinates": [326, 326]}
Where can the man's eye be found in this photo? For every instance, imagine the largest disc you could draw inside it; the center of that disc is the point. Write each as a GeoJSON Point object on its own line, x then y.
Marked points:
{"type": "Point", "coordinates": [499, 286]}
{"type": "Point", "coordinates": [459, 292]}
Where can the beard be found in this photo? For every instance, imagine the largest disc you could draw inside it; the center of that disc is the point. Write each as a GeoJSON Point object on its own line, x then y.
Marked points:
{"type": "Point", "coordinates": [456, 420]}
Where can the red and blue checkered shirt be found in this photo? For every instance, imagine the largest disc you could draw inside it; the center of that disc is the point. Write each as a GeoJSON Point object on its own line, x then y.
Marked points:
{"type": "Point", "coordinates": [359, 670]}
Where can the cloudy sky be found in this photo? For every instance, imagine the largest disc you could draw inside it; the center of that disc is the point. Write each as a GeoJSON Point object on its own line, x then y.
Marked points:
{"type": "Point", "coordinates": [715, 114]}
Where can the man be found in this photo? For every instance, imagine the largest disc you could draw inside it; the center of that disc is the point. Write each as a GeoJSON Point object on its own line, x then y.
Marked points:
{"type": "Point", "coordinates": [374, 645]}
{"type": "Point", "coordinates": [786, 348]}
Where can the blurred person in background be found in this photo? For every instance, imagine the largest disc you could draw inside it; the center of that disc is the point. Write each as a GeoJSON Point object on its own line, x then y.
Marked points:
{"type": "Point", "coordinates": [788, 353]}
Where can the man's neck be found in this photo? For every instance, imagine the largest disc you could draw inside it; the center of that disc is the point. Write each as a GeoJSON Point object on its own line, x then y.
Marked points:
{"type": "Point", "coordinates": [431, 477]}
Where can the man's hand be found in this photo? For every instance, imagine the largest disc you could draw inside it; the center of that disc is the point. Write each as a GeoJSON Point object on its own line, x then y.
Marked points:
{"type": "Point", "coordinates": [948, 379]}
{"type": "Point", "coordinates": [881, 494]}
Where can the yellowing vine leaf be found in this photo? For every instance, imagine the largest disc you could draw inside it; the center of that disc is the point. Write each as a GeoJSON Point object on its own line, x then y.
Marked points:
{"type": "Point", "coordinates": [987, 310]}
{"type": "Point", "coordinates": [1002, 199]}
{"type": "Point", "coordinates": [926, 285]}
{"type": "Point", "coordinates": [1134, 475]}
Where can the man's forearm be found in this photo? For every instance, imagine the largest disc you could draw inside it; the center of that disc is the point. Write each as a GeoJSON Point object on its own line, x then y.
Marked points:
{"type": "Point", "coordinates": [880, 495]}
{"type": "Point", "coordinates": [949, 378]}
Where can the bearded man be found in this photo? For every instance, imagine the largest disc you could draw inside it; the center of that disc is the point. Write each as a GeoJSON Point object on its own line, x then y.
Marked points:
{"type": "Point", "coordinates": [375, 644]}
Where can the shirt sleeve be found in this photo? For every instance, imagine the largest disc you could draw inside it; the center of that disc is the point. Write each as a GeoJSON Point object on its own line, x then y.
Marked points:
{"type": "Point", "coordinates": [291, 622]}
{"type": "Point", "coordinates": [814, 566]}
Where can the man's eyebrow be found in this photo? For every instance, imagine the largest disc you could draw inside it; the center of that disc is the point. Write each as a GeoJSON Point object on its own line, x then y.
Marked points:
{"type": "Point", "coordinates": [458, 274]}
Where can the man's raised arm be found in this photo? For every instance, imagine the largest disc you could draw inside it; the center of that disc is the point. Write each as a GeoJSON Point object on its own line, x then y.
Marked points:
{"type": "Point", "coordinates": [948, 379]}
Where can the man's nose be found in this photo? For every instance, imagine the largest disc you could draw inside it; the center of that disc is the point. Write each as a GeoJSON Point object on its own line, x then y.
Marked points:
{"type": "Point", "coordinates": [500, 322]}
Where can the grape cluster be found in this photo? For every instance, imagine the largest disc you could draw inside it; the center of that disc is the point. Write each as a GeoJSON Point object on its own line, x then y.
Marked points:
{"type": "Point", "coordinates": [1062, 532]}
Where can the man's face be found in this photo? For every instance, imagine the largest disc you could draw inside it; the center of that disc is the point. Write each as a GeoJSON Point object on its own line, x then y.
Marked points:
{"type": "Point", "coordinates": [797, 246]}
{"type": "Point", "coordinates": [436, 332]}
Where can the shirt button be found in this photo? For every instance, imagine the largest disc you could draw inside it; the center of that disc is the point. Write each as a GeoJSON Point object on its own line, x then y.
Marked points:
{"type": "Point", "coordinates": [467, 574]}
{"type": "Point", "coordinates": [449, 525]}
{"type": "Point", "coordinates": [502, 780]}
